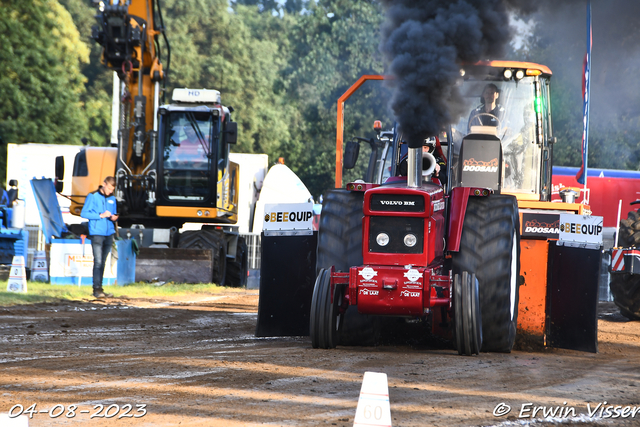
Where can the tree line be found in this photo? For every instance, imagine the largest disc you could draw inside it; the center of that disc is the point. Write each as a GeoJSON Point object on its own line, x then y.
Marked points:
{"type": "Point", "coordinates": [282, 65]}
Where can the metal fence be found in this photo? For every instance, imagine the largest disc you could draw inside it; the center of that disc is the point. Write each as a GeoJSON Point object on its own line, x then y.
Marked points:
{"type": "Point", "coordinates": [36, 242]}
{"type": "Point", "coordinates": [253, 246]}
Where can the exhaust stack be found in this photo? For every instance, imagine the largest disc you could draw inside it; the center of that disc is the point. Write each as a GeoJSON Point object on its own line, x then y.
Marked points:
{"type": "Point", "coordinates": [414, 167]}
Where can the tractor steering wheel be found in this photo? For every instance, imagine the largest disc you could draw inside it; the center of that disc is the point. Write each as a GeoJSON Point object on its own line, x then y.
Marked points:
{"type": "Point", "coordinates": [477, 118]}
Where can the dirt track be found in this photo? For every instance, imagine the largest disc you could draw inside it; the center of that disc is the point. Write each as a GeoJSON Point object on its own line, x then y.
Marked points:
{"type": "Point", "coordinates": [197, 363]}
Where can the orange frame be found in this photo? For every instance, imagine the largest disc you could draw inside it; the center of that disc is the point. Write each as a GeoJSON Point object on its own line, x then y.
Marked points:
{"type": "Point", "coordinates": [340, 121]}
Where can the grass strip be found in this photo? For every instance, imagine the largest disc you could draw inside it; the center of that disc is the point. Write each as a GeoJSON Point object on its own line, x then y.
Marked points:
{"type": "Point", "coordinates": [38, 292]}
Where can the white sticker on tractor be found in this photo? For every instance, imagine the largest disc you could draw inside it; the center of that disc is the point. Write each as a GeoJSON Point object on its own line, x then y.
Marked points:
{"type": "Point", "coordinates": [409, 294]}
{"type": "Point", "coordinates": [368, 273]}
{"type": "Point", "coordinates": [368, 292]}
{"type": "Point", "coordinates": [413, 275]}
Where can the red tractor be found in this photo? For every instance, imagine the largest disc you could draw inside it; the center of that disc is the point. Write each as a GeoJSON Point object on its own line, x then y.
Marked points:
{"type": "Point", "coordinates": [445, 251]}
{"type": "Point", "coordinates": [427, 238]}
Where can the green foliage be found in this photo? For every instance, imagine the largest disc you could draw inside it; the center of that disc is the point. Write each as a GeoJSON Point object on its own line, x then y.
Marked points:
{"type": "Point", "coordinates": [239, 54]}
{"type": "Point", "coordinates": [336, 43]}
{"type": "Point", "coordinates": [41, 84]}
{"type": "Point", "coordinates": [96, 99]}
{"type": "Point", "coordinates": [281, 65]}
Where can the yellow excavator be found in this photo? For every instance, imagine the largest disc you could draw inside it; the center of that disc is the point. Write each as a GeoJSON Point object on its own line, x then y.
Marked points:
{"type": "Point", "coordinates": [171, 160]}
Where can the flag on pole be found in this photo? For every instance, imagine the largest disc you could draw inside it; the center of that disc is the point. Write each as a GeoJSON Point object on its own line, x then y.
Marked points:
{"type": "Point", "coordinates": [581, 176]}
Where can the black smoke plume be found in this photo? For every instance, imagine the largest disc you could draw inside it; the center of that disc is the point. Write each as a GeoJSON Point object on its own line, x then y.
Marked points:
{"type": "Point", "coordinates": [425, 43]}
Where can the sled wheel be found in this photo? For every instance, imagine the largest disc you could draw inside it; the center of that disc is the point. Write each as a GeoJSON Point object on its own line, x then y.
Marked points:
{"type": "Point", "coordinates": [468, 321]}
{"type": "Point", "coordinates": [237, 269]}
{"type": "Point", "coordinates": [220, 265]}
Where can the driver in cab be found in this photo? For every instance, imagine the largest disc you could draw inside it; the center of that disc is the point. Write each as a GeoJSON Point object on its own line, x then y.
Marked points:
{"type": "Point", "coordinates": [489, 112]}
{"type": "Point", "coordinates": [190, 149]}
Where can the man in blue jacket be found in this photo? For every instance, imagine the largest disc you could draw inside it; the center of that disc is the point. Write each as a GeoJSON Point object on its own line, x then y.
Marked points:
{"type": "Point", "coordinates": [101, 211]}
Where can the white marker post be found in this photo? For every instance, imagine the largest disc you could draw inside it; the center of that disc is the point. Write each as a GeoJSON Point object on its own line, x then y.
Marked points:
{"type": "Point", "coordinates": [39, 268]}
{"type": "Point", "coordinates": [373, 405]}
{"type": "Point", "coordinates": [17, 276]}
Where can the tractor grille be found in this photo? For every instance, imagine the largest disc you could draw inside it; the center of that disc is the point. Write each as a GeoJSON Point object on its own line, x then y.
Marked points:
{"type": "Point", "coordinates": [396, 228]}
{"type": "Point", "coordinates": [396, 203]}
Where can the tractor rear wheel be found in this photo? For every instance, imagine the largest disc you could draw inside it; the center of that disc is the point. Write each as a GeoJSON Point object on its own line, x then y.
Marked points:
{"type": "Point", "coordinates": [340, 230]}
{"type": "Point", "coordinates": [490, 248]}
{"type": "Point", "coordinates": [626, 287]}
{"type": "Point", "coordinates": [340, 246]}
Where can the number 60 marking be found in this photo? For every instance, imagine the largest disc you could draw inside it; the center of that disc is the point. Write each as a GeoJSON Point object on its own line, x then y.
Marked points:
{"type": "Point", "coordinates": [377, 412]}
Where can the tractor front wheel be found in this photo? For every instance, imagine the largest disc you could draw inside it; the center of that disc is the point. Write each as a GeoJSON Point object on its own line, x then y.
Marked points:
{"type": "Point", "coordinates": [468, 322]}
{"type": "Point", "coordinates": [327, 313]}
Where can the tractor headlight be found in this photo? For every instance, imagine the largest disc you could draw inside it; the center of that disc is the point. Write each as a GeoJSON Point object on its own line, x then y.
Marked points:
{"type": "Point", "coordinates": [410, 240]}
{"type": "Point", "coordinates": [382, 239]}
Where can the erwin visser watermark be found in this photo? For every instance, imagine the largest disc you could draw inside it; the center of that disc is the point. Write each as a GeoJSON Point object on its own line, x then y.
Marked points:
{"type": "Point", "coordinates": [593, 410]}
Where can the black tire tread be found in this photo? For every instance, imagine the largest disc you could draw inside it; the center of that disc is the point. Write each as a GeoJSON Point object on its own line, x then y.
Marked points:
{"type": "Point", "coordinates": [340, 245]}
{"type": "Point", "coordinates": [209, 239]}
{"type": "Point", "coordinates": [625, 287]}
{"type": "Point", "coordinates": [485, 249]}
{"type": "Point", "coordinates": [238, 268]}
{"type": "Point", "coordinates": [340, 230]}
{"type": "Point", "coordinates": [315, 315]}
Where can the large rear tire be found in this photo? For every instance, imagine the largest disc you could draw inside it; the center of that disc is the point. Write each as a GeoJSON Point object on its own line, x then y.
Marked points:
{"type": "Point", "coordinates": [340, 231]}
{"type": "Point", "coordinates": [490, 248]}
{"type": "Point", "coordinates": [626, 287]}
{"type": "Point", "coordinates": [626, 294]}
{"type": "Point", "coordinates": [340, 246]}
{"type": "Point", "coordinates": [209, 239]}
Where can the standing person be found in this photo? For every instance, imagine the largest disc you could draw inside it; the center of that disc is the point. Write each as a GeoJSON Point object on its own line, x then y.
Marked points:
{"type": "Point", "coordinates": [101, 211]}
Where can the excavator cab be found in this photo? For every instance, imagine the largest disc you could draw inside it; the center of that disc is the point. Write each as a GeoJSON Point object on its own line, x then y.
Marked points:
{"type": "Point", "coordinates": [194, 133]}
{"type": "Point", "coordinates": [187, 156]}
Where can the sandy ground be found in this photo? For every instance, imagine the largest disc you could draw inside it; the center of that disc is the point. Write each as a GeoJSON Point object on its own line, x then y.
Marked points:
{"type": "Point", "coordinates": [196, 362]}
